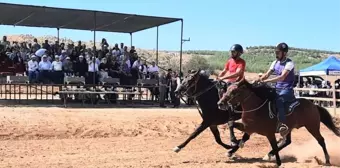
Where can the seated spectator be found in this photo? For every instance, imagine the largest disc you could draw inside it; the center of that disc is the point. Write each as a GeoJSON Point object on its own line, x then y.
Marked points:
{"type": "Point", "coordinates": [81, 66]}
{"type": "Point", "coordinates": [103, 70]}
{"type": "Point", "coordinates": [19, 64]}
{"type": "Point", "coordinates": [33, 69]}
{"type": "Point", "coordinates": [313, 93]}
{"type": "Point", "coordinates": [153, 70]}
{"type": "Point", "coordinates": [44, 68]}
{"type": "Point", "coordinates": [114, 68]}
{"type": "Point", "coordinates": [68, 67]}
{"type": "Point", "coordinates": [57, 68]}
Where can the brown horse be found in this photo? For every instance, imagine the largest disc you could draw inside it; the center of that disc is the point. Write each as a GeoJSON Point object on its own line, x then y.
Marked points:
{"type": "Point", "coordinates": [258, 104]}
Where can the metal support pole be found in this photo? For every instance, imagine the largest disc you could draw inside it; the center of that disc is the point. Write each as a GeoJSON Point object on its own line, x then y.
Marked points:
{"type": "Point", "coordinates": [94, 48]}
{"type": "Point", "coordinates": [180, 52]}
{"type": "Point", "coordinates": [157, 47]}
{"type": "Point", "coordinates": [58, 35]}
{"type": "Point", "coordinates": [130, 40]}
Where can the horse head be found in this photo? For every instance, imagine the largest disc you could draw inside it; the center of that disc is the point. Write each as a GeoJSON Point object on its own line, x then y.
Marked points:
{"type": "Point", "coordinates": [191, 84]}
{"type": "Point", "coordinates": [236, 93]}
{"type": "Point", "coordinates": [240, 91]}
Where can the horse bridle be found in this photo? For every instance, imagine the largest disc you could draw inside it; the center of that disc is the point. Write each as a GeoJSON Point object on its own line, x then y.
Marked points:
{"type": "Point", "coordinates": [194, 84]}
{"type": "Point", "coordinates": [245, 99]}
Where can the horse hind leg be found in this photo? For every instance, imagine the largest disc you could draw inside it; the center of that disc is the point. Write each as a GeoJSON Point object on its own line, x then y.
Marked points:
{"type": "Point", "coordinates": [315, 131]}
{"type": "Point", "coordinates": [286, 142]}
{"type": "Point", "coordinates": [217, 136]}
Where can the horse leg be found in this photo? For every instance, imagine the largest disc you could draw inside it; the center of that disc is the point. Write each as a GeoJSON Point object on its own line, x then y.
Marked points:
{"type": "Point", "coordinates": [287, 142]}
{"type": "Point", "coordinates": [317, 135]}
{"type": "Point", "coordinates": [273, 143]}
{"type": "Point", "coordinates": [217, 136]}
{"type": "Point", "coordinates": [233, 139]}
{"type": "Point", "coordinates": [244, 139]}
{"type": "Point", "coordinates": [198, 130]}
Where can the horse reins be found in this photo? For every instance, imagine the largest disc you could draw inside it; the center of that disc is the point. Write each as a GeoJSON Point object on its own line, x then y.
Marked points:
{"type": "Point", "coordinates": [245, 99]}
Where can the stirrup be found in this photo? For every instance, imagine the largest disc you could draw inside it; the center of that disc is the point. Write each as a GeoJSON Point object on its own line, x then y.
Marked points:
{"type": "Point", "coordinates": [283, 130]}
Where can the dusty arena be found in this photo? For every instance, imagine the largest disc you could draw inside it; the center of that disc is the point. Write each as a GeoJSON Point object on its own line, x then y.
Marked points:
{"type": "Point", "coordinates": [122, 137]}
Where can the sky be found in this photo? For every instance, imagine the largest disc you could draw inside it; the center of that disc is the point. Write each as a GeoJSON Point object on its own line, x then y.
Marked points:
{"type": "Point", "coordinates": [211, 25]}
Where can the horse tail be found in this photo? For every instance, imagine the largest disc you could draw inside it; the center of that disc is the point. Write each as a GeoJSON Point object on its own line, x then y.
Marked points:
{"type": "Point", "coordinates": [327, 120]}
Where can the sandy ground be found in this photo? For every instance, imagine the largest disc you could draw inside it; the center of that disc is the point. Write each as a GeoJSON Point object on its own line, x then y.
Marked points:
{"type": "Point", "coordinates": [70, 138]}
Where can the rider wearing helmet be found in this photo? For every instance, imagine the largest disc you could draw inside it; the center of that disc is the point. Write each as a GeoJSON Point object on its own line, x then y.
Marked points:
{"type": "Point", "coordinates": [283, 68]}
{"type": "Point", "coordinates": [234, 67]}
{"type": "Point", "coordinates": [233, 71]}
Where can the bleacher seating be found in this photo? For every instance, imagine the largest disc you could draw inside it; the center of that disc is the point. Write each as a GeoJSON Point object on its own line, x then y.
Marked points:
{"type": "Point", "coordinates": [17, 79]}
{"type": "Point", "coordinates": [114, 81]}
{"type": "Point", "coordinates": [74, 80]}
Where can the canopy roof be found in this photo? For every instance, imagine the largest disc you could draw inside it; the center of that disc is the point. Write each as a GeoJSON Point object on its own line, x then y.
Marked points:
{"type": "Point", "coordinates": [329, 66]}
{"type": "Point", "coordinates": [50, 17]}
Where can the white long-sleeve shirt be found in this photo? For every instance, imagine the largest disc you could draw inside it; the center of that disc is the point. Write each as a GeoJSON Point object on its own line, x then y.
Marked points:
{"type": "Point", "coordinates": [32, 65]}
{"type": "Point", "coordinates": [45, 65]}
{"type": "Point", "coordinates": [57, 66]}
{"type": "Point", "coordinates": [91, 68]}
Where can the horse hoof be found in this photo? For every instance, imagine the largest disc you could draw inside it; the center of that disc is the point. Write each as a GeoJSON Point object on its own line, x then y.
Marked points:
{"type": "Point", "coordinates": [268, 157]}
{"type": "Point", "coordinates": [230, 154]}
{"type": "Point", "coordinates": [177, 149]}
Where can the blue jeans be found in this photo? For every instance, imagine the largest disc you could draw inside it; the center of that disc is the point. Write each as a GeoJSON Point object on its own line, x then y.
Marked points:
{"type": "Point", "coordinates": [33, 76]}
{"type": "Point", "coordinates": [284, 95]}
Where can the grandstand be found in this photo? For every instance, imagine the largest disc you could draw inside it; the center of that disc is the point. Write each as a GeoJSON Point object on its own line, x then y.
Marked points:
{"type": "Point", "coordinates": [56, 71]}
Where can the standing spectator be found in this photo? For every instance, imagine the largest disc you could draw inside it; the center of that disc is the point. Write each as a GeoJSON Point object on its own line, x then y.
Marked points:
{"type": "Point", "coordinates": [57, 69]}
{"type": "Point", "coordinates": [46, 45]}
{"type": "Point", "coordinates": [92, 77]}
{"type": "Point", "coordinates": [44, 68]}
{"type": "Point", "coordinates": [80, 67]}
{"type": "Point", "coordinates": [35, 46]}
{"type": "Point", "coordinates": [177, 100]}
{"type": "Point", "coordinates": [33, 66]}
{"type": "Point", "coordinates": [163, 83]}
{"type": "Point", "coordinates": [68, 67]}
{"type": "Point", "coordinates": [143, 70]}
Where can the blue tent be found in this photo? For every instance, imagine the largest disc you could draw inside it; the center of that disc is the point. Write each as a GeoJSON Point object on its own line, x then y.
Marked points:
{"type": "Point", "coordinates": [329, 66]}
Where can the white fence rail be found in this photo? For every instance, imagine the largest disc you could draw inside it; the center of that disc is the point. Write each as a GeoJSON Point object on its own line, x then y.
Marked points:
{"type": "Point", "coordinates": [332, 91]}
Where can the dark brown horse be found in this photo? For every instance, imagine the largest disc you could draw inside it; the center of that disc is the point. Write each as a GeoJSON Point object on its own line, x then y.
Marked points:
{"type": "Point", "coordinates": [199, 86]}
{"type": "Point", "coordinates": [258, 116]}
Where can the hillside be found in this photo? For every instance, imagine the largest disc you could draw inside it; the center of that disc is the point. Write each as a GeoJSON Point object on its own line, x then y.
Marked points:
{"type": "Point", "coordinates": [258, 58]}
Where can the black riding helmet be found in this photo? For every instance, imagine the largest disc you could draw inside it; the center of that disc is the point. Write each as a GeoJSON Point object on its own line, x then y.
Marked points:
{"type": "Point", "coordinates": [282, 47]}
{"type": "Point", "coordinates": [237, 47]}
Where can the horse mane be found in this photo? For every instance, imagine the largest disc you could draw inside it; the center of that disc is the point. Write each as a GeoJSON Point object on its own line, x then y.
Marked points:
{"type": "Point", "coordinates": [263, 90]}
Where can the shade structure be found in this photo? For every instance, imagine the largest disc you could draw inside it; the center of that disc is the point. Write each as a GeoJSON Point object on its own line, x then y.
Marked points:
{"type": "Point", "coordinates": [63, 18]}
{"type": "Point", "coordinates": [329, 66]}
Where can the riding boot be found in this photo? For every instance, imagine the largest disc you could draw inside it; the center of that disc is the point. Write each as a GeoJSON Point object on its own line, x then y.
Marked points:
{"type": "Point", "coordinates": [233, 139]}
{"type": "Point", "coordinates": [282, 127]}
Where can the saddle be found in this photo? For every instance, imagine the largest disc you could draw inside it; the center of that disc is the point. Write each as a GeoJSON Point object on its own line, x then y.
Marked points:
{"type": "Point", "coordinates": [289, 107]}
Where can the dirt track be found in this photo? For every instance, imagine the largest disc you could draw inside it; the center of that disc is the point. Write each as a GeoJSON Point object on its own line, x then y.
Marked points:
{"type": "Point", "coordinates": [56, 137]}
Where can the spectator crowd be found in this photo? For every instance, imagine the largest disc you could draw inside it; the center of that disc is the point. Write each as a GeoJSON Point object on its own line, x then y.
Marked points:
{"type": "Point", "coordinates": [50, 62]}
